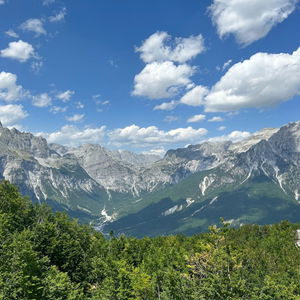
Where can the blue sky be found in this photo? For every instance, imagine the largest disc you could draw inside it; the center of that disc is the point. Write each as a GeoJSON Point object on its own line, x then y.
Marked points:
{"type": "Point", "coordinates": [148, 75]}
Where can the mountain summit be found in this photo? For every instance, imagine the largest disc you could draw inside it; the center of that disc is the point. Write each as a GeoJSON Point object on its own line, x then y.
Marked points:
{"type": "Point", "coordinates": [254, 180]}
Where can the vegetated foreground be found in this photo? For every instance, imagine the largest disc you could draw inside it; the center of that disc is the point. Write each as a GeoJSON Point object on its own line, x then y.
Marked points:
{"type": "Point", "coordinates": [49, 256]}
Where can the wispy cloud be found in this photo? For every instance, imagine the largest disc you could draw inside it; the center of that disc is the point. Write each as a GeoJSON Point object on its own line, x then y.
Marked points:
{"type": "Point", "coordinates": [60, 16]}
{"type": "Point", "coordinates": [34, 25]}
{"type": "Point", "coordinates": [65, 96]}
{"type": "Point", "coordinates": [11, 33]}
{"type": "Point", "coordinates": [196, 118]}
{"type": "Point", "coordinates": [76, 118]}
{"type": "Point", "coordinates": [42, 100]}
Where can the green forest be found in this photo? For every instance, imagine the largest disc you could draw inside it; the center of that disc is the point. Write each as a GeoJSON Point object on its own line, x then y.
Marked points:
{"type": "Point", "coordinates": [46, 255]}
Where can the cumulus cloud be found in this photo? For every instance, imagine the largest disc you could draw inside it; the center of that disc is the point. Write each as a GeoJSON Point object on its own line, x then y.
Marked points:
{"type": "Point", "coordinates": [249, 20]}
{"type": "Point", "coordinates": [133, 135]}
{"type": "Point", "coordinates": [216, 119]}
{"type": "Point", "coordinates": [195, 97]}
{"type": "Point", "coordinates": [11, 114]}
{"type": "Point", "coordinates": [145, 136]}
{"type": "Point", "coordinates": [65, 96]}
{"type": "Point", "coordinates": [2, 2]}
{"type": "Point", "coordinates": [196, 118]}
{"type": "Point", "coordinates": [162, 80]}
{"type": "Point", "coordinates": [157, 151]}
{"type": "Point", "coordinates": [42, 100]}
{"type": "Point", "coordinates": [160, 47]}
{"type": "Point", "coordinates": [71, 135]}
{"type": "Point", "coordinates": [9, 90]}
{"type": "Point", "coordinates": [166, 72]}
{"type": "Point", "coordinates": [20, 51]}
{"type": "Point", "coordinates": [11, 33]}
{"type": "Point", "coordinates": [166, 105]}
{"type": "Point", "coordinates": [75, 118]}
{"type": "Point", "coordinates": [234, 136]}
{"type": "Point", "coordinates": [60, 16]}
{"type": "Point", "coordinates": [264, 80]}
{"type": "Point", "coordinates": [34, 25]}
{"type": "Point", "coordinates": [221, 128]}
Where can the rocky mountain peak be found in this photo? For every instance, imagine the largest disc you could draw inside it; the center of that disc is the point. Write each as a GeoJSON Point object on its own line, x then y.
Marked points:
{"type": "Point", "coordinates": [200, 151]}
{"type": "Point", "coordinates": [15, 140]}
{"type": "Point", "coordinates": [83, 177]}
{"type": "Point", "coordinates": [254, 139]}
{"type": "Point", "coordinates": [61, 150]}
{"type": "Point", "coordinates": [287, 142]}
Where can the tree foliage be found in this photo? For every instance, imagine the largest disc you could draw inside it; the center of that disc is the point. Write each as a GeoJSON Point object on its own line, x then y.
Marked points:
{"type": "Point", "coordinates": [49, 256]}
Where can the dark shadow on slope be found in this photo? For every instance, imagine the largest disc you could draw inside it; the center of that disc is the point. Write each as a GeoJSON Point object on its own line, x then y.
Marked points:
{"type": "Point", "coordinates": [260, 201]}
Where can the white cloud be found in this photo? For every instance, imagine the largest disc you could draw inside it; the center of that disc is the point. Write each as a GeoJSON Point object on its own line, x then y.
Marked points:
{"type": "Point", "coordinates": [261, 81]}
{"type": "Point", "coordinates": [157, 151]}
{"type": "Point", "coordinates": [160, 47]}
{"type": "Point", "coordinates": [97, 96]}
{"type": "Point", "coordinates": [216, 119]}
{"type": "Point", "coordinates": [2, 2]}
{"type": "Point", "coordinates": [234, 136]}
{"type": "Point", "coordinates": [65, 96]}
{"type": "Point", "coordinates": [249, 20]}
{"type": "Point", "coordinates": [9, 90]}
{"type": "Point", "coordinates": [58, 109]}
{"type": "Point", "coordinates": [225, 65]}
{"type": "Point", "coordinates": [11, 114]}
{"type": "Point", "coordinates": [195, 97]}
{"type": "Point", "coordinates": [16, 126]}
{"type": "Point", "coordinates": [171, 118]}
{"type": "Point", "coordinates": [221, 128]}
{"type": "Point", "coordinates": [75, 118]}
{"type": "Point", "coordinates": [59, 16]}
{"type": "Point", "coordinates": [166, 105]}
{"type": "Point", "coordinates": [11, 33]}
{"type": "Point", "coordinates": [47, 2]}
{"type": "Point", "coordinates": [143, 137]}
{"type": "Point", "coordinates": [79, 105]}
{"type": "Point", "coordinates": [42, 100]}
{"type": "Point", "coordinates": [196, 118]}
{"type": "Point", "coordinates": [37, 65]}
{"type": "Point", "coordinates": [162, 80]}
{"type": "Point", "coordinates": [34, 25]}
{"type": "Point", "coordinates": [72, 136]}
{"type": "Point", "coordinates": [104, 102]}
{"type": "Point", "coordinates": [101, 104]}
{"type": "Point", "coordinates": [20, 51]}
{"type": "Point", "coordinates": [166, 72]}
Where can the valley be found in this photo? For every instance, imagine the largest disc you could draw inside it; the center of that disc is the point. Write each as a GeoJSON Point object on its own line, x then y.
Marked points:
{"type": "Point", "coordinates": [256, 180]}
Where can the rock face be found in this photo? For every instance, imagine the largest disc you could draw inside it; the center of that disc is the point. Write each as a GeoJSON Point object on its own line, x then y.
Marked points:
{"type": "Point", "coordinates": [44, 174]}
{"type": "Point", "coordinates": [272, 153]}
{"type": "Point", "coordinates": [255, 180]}
{"type": "Point", "coordinates": [92, 182]}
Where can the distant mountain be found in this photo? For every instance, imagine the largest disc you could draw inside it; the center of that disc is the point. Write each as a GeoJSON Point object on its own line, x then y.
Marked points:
{"type": "Point", "coordinates": [255, 180]}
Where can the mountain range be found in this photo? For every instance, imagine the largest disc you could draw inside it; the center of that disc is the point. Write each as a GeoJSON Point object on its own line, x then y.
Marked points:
{"type": "Point", "coordinates": [256, 180]}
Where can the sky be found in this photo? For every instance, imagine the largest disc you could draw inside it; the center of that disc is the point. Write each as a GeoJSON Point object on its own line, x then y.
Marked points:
{"type": "Point", "coordinates": [148, 76]}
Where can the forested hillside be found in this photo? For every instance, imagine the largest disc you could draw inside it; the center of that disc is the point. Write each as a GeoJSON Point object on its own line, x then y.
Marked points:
{"type": "Point", "coordinates": [49, 256]}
